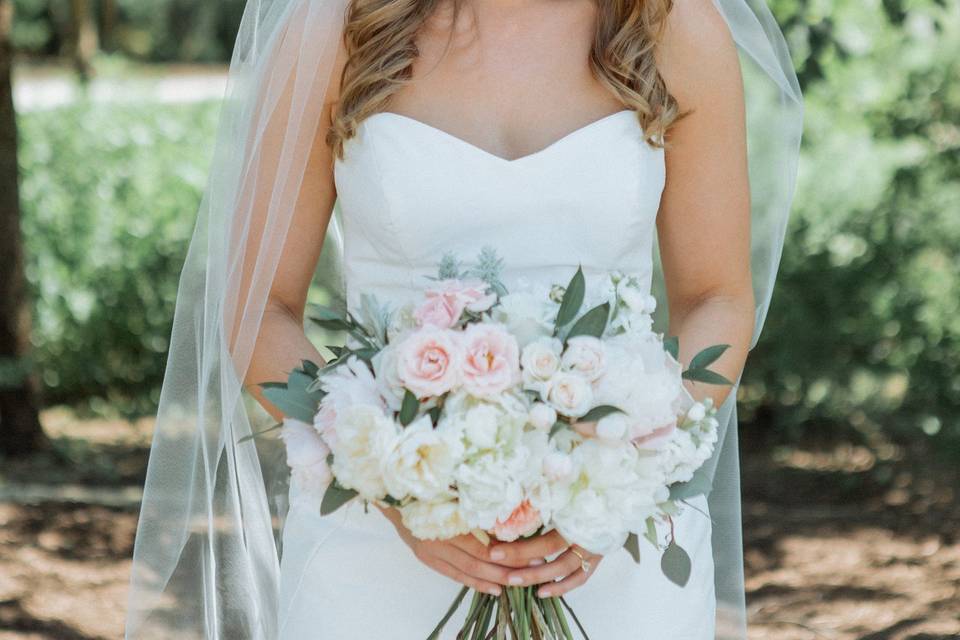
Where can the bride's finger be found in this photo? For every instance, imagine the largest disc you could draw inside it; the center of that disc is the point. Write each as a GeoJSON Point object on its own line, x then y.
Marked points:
{"type": "Point", "coordinates": [561, 567]}
{"type": "Point", "coordinates": [521, 552]}
{"type": "Point", "coordinates": [447, 569]}
{"type": "Point", "coordinates": [571, 582]}
{"type": "Point", "coordinates": [472, 566]}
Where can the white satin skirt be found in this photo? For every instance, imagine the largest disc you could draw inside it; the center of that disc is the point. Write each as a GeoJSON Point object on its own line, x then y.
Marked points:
{"type": "Point", "coordinates": [349, 576]}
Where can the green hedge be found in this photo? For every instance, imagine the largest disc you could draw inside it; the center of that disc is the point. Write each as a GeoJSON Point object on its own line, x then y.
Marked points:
{"type": "Point", "coordinates": [110, 195]}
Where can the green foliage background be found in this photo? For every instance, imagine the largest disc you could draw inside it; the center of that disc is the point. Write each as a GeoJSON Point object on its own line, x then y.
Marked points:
{"type": "Point", "coordinates": [864, 332]}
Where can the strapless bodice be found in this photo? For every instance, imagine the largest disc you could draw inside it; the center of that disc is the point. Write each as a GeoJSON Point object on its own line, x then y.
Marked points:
{"type": "Point", "coordinates": [409, 192]}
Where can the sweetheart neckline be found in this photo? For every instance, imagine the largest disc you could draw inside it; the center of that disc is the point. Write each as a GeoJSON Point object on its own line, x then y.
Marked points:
{"type": "Point", "coordinates": [572, 135]}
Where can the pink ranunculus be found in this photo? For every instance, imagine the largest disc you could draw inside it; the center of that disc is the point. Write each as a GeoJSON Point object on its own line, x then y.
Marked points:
{"type": "Point", "coordinates": [429, 361]}
{"type": "Point", "coordinates": [524, 520]}
{"type": "Point", "coordinates": [439, 311]}
{"type": "Point", "coordinates": [491, 360]}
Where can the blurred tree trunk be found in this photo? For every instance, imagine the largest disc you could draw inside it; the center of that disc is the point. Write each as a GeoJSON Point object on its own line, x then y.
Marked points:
{"type": "Point", "coordinates": [20, 430]}
{"type": "Point", "coordinates": [85, 41]}
{"type": "Point", "coordinates": [108, 24]}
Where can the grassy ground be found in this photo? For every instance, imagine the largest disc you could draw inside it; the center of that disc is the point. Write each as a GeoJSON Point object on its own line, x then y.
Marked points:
{"type": "Point", "coordinates": [842, 541]}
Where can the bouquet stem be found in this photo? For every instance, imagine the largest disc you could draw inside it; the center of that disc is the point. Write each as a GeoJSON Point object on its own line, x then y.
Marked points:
{"type": "Point", "coordinates": [516, 614]}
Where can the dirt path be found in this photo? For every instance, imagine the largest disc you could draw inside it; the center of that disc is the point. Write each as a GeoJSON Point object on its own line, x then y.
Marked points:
{"type": "Point", "coordinates": [838, 547]}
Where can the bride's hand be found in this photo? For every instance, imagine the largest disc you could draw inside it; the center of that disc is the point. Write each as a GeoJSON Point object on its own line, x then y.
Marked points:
{"type": "Point", "coordinates": [572, 568]}
{"type": "Point", "coordinates": [463, 559]}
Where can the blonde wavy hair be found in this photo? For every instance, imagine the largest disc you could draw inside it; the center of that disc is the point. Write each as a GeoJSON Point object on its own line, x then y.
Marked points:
{"type": "Point", "coordinates": [380, 37]}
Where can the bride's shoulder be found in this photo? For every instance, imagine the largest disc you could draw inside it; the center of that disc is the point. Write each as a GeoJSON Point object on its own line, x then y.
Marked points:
{"type": "Point", "coordinates": [697, 54]}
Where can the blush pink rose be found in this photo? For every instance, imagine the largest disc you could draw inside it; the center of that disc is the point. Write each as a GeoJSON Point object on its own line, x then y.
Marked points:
{"type": "Point", "coordinates": [524, 520]}
{"type": "Point", "coordinates": [439, 311]}
{"type": "Point", "coordinates": [491, 360]}
{"type": "Point", "coordinates": [429, 361]}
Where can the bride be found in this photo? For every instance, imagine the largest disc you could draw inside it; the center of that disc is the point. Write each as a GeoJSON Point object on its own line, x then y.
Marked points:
{"type": "Point", "coordinates": [611, 134]}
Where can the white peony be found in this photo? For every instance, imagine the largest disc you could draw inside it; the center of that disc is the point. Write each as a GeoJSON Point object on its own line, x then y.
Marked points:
{"type": "Point", "coordinates": [485, 425]}
{"type": "Point", "coordinates": [364, 436]}
{"type": "Point", "coordinates": [422, 461]}
{"type": "Point", "coordinates": [584, 355]}
{"type": "Point", "coordinates": [542, 416]}
{"type": "Point", "coordinates": [440, 520]}
{"type": "Point", "coordinates": [489, 488]}
{"type": "Point", "coordinates": [349, 384]}
{"type": "Point", "coordinates": [527, 316]}
{"type": "Point", "coordinates": [570, 394]}
{"type": "Point", "coordinates": [613, 490]}
{"type": "Point", "coordinates": [307, 458]}
{"type": "Point", "coordinates": [388, 378]}
{"type": "Point", "coordinates": [613, 427]}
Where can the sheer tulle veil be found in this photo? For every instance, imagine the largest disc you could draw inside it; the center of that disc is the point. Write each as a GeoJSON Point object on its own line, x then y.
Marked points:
{"type": "Point", "coordinates": [206, 559]}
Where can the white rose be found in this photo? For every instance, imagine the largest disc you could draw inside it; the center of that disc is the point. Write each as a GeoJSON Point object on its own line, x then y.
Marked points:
{"type": "Point", "coordinates": [434, 520]}
{"type": "Point", "coordinates": [364, 436]}
{"type": "Point", "coordinates": [542, 416]}
{"type": "Point", "coordinates": [697, 412]}
{"type": "Point", "coordinates": [570, 394]}
{"type": "Point", "coordinates": [526, 316]}
{"type": "Point", "coordinates": [612, 427]}
{"type": "Point", "coordinates": [422, 461]}
{"type": "Point", "coordinates": [541, 358]}
{"type": "Point", "coordinates": [584, 355]}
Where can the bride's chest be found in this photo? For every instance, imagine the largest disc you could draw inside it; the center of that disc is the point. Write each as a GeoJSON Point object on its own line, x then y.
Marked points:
{"type": "Point", "coordinates": [410, 190]}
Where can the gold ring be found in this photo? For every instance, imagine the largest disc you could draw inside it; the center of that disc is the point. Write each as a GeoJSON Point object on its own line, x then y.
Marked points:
{"type": "Point", "coordinates": [584, 563]}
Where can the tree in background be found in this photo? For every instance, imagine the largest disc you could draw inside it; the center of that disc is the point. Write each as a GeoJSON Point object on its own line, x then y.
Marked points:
{"type": "Point", "coordinates": [20, 430]}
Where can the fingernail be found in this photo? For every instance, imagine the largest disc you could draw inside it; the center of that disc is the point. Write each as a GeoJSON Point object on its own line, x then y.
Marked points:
{"type": "Point", "coordinates": [516, 580]}
{"type": "Point", "coordinates": [497, 554]}
{"type": "Point", "coordinates": [543, 593]}
{"type": "Point", "coordinates": [536, 562]}
{"type": "Point", "coordinates": [494, 591]}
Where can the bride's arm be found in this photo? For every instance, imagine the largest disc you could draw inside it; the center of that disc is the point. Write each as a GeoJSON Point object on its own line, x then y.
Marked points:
{"type": "Point", "coordinates": [704, 234]}
{"type": "Point", "coordinates": [704, 219]}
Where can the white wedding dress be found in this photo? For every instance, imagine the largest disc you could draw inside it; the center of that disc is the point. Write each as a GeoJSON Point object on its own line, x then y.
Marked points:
{"type": "Point", "coordinates": [408, 193]}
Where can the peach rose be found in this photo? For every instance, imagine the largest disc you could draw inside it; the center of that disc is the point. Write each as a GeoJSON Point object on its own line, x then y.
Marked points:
{"type": "Point", "coordinates": [445, 303]}
{"type": "Point", "coordinates": [429, 361]}
{"type": "Point", "coordinates": [439, 311]}
{"type": "Point", "coordinates": [522, 522]}
{"type": "Point", "coordinates": [491, 360]}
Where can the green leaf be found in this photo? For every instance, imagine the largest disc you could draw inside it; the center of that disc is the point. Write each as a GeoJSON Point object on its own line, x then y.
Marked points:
{"type": "Point", "coordinates": [705, 375]}
{"type": "Point", "coordinates": [572, 299]}
{"type": "Point", "coordinates": [309, 368]}
{"type": "Point", "coordinates": [335, 497]}
{"type": "Point", "coordinates": [600, 412]}
{"type": "Point", "coordinates": [632, 545]}
{"type": "Point", "coordinates": [408, 410]}
{"type": "Point", "coordinates": [651, 533]}
{"type": "Point", "coordinates": [676, 565]}
{"type": "Point", "coordinates": [708, 356]}
{"type": "Point", "coordinates": [592, 323]}
{"type": "Point", "coordinates": [698, 484]}
{"type": "Point", "coordinates": [294, 403]}
{"type": "Point", "coordinates": [557, 426]}
{"type": "Point", "coordinates": [434, 414]}
{"type": "Point", "coordinates": [672, 346]}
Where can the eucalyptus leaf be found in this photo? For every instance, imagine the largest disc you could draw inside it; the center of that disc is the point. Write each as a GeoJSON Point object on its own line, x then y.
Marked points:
{"type": "Point", "coordinates": [705, 375]}
{"type": "Point", "coordinates": [310, 368]}
{"type": "Point", "coordinates": [632, 545]}
{"type": "Point", "coordinates": [335, 497]}
{"type": "Point", "coordinates": [572, 299]}
{"type": "Point", "coordinates": [708, 356]}
{"type": "Point", "coordinates": [700, 483]}
{"type": "Point", "coordinates": [672, 346]}
{"type": "Point", "coordinates": [675, 564]}
{"type": "Point", "coordinates": [600, 412]}
{"type": "Point", "coordinates": [408, 409]}
{"type": "Point", "coordinates": [294, 403]}
{"type": "Point", "coordinates": [592, 323]}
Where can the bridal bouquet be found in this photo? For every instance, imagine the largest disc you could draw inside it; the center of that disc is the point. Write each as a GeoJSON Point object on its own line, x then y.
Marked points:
{"type": "Point", "coordinates": [475, 410]}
